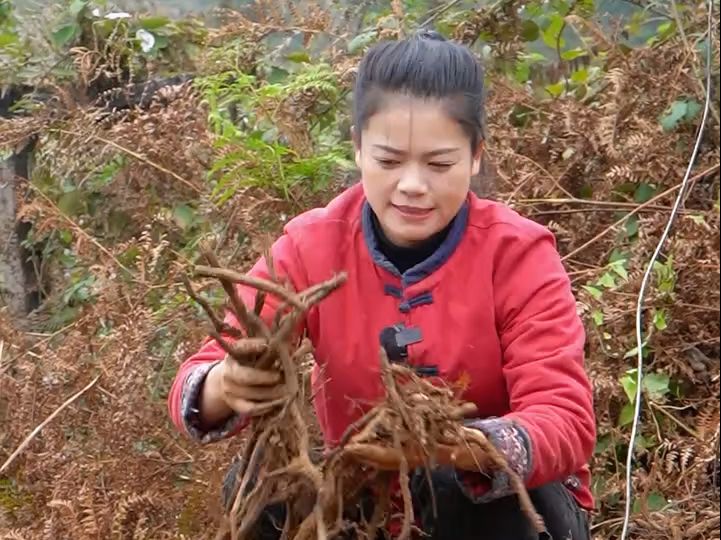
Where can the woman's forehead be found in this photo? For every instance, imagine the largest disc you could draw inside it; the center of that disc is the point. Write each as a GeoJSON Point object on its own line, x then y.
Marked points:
{"type": "Point", "coordinates": [411, 124]}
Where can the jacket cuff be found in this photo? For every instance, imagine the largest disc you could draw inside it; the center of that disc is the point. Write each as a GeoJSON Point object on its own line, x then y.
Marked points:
{"type": "Point", "coordinates": [514, 444]}
{"type": "Point", "coordinates": [190, 408]}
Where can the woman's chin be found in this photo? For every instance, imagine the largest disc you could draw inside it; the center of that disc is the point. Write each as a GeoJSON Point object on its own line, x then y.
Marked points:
{"type": "Point", "coordinates": [410, 235]}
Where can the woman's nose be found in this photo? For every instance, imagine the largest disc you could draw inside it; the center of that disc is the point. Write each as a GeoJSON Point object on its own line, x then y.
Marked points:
{"type": "Point", "coordinates": [411, 181]}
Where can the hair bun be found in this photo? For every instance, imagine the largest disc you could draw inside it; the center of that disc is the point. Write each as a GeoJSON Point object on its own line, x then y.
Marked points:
{"type": "Point", "coordinates": [431, 35]}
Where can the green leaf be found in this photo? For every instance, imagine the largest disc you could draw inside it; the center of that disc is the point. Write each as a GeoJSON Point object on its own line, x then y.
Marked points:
{"type": "Point", "coordinates": [586, 8]}
{"type": "Point", "coordinates": [593, 291]}
{"type": "Point", "coordinates": [66, 237]}
{"type": "Point", "coordinates": [572, 54]}
{"type": "Point", "coordinates": [598, 317]}
{"type": "Point", "coordinates": [520, 115]}
{"type": "Point", "coordinates": [77, 6]}
{"type": "Point", "coordinates": [129, 256]}
{"type": "Point", "coordinates": [586, 191]}
{"type": "Point", "coordinates": [618, 256]}
{"type": "Point", "coordinates": [603, 443]}
{"type": "Point", "coordinates": [657, 385]}
{"type": "Point", "coordinates": [664, 27]}
{"type": "Point", "coordinates": [580, 76]}
{"type": "Point", "coordinates": [154, 22]}
{"type": "Point", "coordinates": [659, 320]}
{"type": "Point", "coordinates": [626, 188]}
{"type": "Point", "coordinates": [665, 30]}
{"type": "Point", "coordinates": [299, 57]}
{"type": "Point", "coordinates": [71, 203]}
{"type": "Point", "coordinates": [562, 7]}
{"type": "Point", "coordinates": [533, 9]}
{"type": "Point", "coordinates": [643, 443]}
{"type": "Point", "coordinates": [673, 115]}
{"type": "Point", "coordinates": [277, 75]}
{"type": "Point", "coordinates": [65, 34]}
{"type": "Point", "coordinates": [184, 216]}
{"type": "Point", "coordinates": [607, 280]}
{"type": "Point", "coordinates": [629, 384]}
{"type": "Point", "coordinates": [161, 42]}
{"type": "Point", "coordinates": [533, 57]}
{"type": "Point", "coordinates": [656, 502]}
{"type": "Point", "coordinates": [665, 276]}
{"type": "Point", "coordinates": [530, 30]}
{"type": "Point", "coordinates": [693, 107]}
{"type": "Point", "coordinates": [581, 91]}
{"type": "Point", "coordinates": [619, 266]}
{"type": "Point", "coordinates": [626, 416]}
{"type": "Point", "coordinates": [7, 38]}
{"type": "Point", "coordinates": [702, 48]}
{"type": "Point", "coordinates": [361, 41]}
{"type": "Point", "coordinates": [556, 90]}
{"type": "Point", "coordinates": [552, 34]}
{"type": "Point", "coordinates": [633, 353]}
{"type": "Point", "coordinates": [644, 193]}
{"type": "Point", "coordinates": [522, 72]}
{"type": "Point", "coordinates": [632, 226]}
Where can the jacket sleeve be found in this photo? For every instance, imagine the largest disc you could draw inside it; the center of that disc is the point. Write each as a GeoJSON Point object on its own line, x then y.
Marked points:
{"type": "Point", "coordinates": [550, 432]}
{"type": "Point", "coordinates": [184, 397]}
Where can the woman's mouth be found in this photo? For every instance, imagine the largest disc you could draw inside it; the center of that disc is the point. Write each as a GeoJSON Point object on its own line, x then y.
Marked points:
{"type": "Point", "coordinates": [413, 212]}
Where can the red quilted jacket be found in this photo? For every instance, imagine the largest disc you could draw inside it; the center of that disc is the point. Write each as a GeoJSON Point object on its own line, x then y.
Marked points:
{"type": "Point", "coordinates": [492, 308]}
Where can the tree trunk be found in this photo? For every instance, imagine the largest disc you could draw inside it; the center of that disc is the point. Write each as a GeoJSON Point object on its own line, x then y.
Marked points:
{"type": "Point", "coordinates": [12, 276]}
{"type": "Point", "coordinates": [16, 292]}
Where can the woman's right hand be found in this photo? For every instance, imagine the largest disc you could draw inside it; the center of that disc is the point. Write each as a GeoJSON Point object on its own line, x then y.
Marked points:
{"type": "Point", "coordinates": [233, 387]}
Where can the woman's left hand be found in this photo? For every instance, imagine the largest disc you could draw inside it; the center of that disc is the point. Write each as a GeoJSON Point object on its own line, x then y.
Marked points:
{"type": "Point", "coordinates": [459, 456]}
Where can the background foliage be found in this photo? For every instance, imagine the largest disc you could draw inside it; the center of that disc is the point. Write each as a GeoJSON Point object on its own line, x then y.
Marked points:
{"type": "Point", "coordinates": [151, 133]}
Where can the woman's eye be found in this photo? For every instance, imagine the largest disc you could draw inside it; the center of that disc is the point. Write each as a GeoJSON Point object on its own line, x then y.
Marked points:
{"type": "Point", "coordinates": [388, 162]}
{"type": "Point", "coordinates": [441, 166]}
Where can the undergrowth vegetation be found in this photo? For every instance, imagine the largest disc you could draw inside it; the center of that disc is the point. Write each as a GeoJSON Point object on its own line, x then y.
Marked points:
{"type": "Point", "coordinates": [149, 135]}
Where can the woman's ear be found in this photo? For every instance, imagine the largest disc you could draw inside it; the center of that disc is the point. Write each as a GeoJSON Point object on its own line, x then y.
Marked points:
{"type": "Point", "coordinates": [355, 135]}
{"type": "Point", "coordinates": [477, 159]}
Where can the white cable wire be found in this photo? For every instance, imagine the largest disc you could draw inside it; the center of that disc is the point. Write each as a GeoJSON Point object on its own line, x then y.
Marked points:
{"type": "Point", "coordinates": [649, 271]}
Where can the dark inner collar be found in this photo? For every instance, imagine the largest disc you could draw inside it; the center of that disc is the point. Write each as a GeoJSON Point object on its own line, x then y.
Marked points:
{"type": "Point", "coordinates": [405, 258]}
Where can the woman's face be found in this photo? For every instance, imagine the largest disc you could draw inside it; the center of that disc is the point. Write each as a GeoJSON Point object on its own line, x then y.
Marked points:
{"type": "Point", "coordinates": [416, 165]}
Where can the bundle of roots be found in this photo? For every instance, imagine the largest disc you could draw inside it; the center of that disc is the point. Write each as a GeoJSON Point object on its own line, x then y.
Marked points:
{"type": "Point", "coordinates": [419, 424]}
{"type": "Point", "coordinates": [409, 427]}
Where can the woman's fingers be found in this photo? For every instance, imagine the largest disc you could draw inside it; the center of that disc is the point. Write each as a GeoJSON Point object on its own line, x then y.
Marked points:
{"type": "Point", "coordinates": [390, 459]}
{"type": "Point", "coordinates": [239, 375]}
{"type": "Point", "coordinates": [247, 407]}
{"type": "Point", "coordinates": [250, 391]}
{"type": "Point", "coordinates": [255, 393]}
{"type": "Point", "coordinates": [465, 410]}
{"type": "Point", "coordinates": [386, 459]}
{"type": "Point", "coordinates": [251, 346]}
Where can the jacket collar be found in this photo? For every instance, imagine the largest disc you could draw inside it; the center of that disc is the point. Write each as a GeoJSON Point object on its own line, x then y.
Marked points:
{"type": "Point", "coordinates": [426, 267]}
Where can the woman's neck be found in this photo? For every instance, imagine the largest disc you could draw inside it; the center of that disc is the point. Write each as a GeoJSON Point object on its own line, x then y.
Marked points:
{"type": "Point", "coordinates": [405, 258]}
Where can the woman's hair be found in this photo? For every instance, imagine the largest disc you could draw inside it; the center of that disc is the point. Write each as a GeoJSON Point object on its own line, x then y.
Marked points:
{"type": "Point", "coordinates": [423, 66]}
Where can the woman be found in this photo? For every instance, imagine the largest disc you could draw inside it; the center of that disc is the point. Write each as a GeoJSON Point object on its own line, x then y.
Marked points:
{"type": "Point", "coordinates": [457, 287]}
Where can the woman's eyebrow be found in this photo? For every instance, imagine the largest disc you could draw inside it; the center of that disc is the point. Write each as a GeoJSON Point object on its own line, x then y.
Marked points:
{"type": "Point", "coordinates": [441, 151]}
{"type": "Point", "coordinates": [388, 149]}
{"type": "Point", "coordinates": [432, 153]}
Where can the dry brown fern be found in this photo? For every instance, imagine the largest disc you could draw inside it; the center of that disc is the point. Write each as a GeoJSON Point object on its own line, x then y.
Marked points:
{"type": "Point", "coordinates": [13, 534]}
{"type": "Point", "coordinates": [88, 523]}
{"type": "Point", "coordinates": [133, 515]}
{"type": "Point", "coordinates": [62, 521]}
